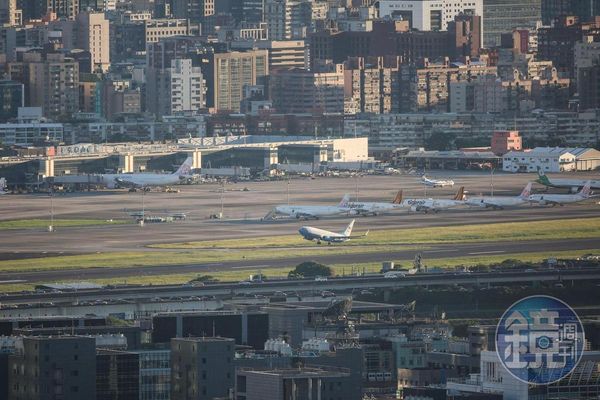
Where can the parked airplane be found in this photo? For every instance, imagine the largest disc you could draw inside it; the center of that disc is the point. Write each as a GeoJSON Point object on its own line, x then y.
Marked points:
{"type": "Point", "coordinates": [306, 212]}
{"type": "Point", "coordinates": [149, 179]}
{"type": "Point", "coordinates": [435, 205]}
{"type": "Point", "coordinates": [573, 184]}
{"type": "Point", "coordinates": [436, 182]}
{"type": "Point", "coordinates": [321, 235]}
{"type": "Point", "coordinates": [3, 186]}
{"type": "Point", "coordinates": [561, 199]}
{"type": "Point", "coordinates": [374, 208]}
{"type": "Point", "coordinates": [499, 202]}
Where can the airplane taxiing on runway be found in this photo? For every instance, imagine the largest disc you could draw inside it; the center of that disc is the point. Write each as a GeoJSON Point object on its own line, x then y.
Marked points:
{"type": "Point", "coordinates": [322, 235]}
{"type": "Point", "coordinates": [436, 182]}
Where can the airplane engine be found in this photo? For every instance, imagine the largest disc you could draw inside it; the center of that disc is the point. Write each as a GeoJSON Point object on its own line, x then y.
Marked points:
{"type": "Point", "coordinates": [414, 209]}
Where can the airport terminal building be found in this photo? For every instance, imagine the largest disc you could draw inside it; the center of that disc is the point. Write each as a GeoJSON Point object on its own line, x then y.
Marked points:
{"type": "Point", "coordinates": [214, 156]}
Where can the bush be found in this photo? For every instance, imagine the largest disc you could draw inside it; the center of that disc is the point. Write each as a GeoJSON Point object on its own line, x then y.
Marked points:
{"type": "Point", "coordinates": [310, 269]}
{"type": "Point", "coordinates": [204, 279]}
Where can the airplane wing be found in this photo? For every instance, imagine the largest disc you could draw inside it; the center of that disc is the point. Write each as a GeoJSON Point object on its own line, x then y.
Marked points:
{"type": "Point", "coordinates": [125, 182]}
{"type": "Point", "coordinates": [305, 214]}
{"type": "Point", "coordinates": [358, 236]}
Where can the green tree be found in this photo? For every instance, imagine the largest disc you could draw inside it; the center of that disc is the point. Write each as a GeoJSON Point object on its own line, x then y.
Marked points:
{"type": "Point", "coordinates": [310, 269]}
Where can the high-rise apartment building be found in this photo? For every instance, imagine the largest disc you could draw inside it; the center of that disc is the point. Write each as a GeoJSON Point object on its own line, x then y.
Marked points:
{"type": "Point", "coordinates": [176, 89]}
{"type": "Point", "coordinates": [429, 15]}
{"type": "Point", "coordinates": [287, 19]}
{"type": "Point", "coordinates": [371, 85]}
{"type": "Point", "coordinates": [202, 368]}
{"type": "Point", "coordinates": [47, 368]}
{"type": "Point", "coordinates": [427, 87]}
{"type": "Point", "coordinates": [63, 8]}
{"type": "Point", "coordinates": [557, 43]}
{"type": "Point", "coordinates": [304, 383]}
{"type": "Point", "coordinates": [249, 11]}
{"type": "Point", "coordinates": [51, 81]}
{"type": "Point", "coordinates": [194, 10]}
{"type": "Point", "coordinates": [585, 10]}
{"type": "Point", "coordinates": [232, 71]}
{"type": "Point", "coordinates": [465, 31]}
{"type": "Point", "coordinates": [93, 35]}
{"type": "Point", "coordinates": [587, 67]}
{"type": "Point", "coordinates": [9, 13]}
{"type": "Point", "coordinates": [502, 16]}
{"type": "Point", "coordinates": [12, 97]}
{"type": "Point", "coordinates": [320, 90]}
{"type": "Point", "coordinates": [283, 54]}
{"type": "Point", "coordinates": [128, 38]}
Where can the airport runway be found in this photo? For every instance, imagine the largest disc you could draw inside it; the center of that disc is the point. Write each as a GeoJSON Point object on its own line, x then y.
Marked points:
{"type": "Point", "coordinates": [244, 209]}
{"type": "Point", "coordinates": [429, 252]}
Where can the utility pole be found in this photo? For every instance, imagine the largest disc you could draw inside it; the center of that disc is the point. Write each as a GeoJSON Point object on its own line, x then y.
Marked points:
{"type": "Point", "coordinates": [288, 191]}
{"type": "Point", "coordinates": [222, 194]}
{"type": "Point", "coordinates": [51, 227]}
{"type": "Point", "coordinates": [492, 182]}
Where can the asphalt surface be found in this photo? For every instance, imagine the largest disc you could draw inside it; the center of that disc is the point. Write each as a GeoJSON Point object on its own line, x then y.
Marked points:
{"type": "Point", "coordinates": [243, 211]}
{"type": "Point", "coordinates": [429, 252]}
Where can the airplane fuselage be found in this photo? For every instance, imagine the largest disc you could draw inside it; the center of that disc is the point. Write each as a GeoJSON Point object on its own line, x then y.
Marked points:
{"type": "Point", "coordinates": [318, 235]}
{"type": "Point", "coordinates": [574, 184]}
{"type": "Point", "coordinates": [311, 211]}
{"type": "Point", "coordinates": [372, 207]}
{"type": "Point", "coordinates": [149, 179]}
{"type": "Point", "coordinates": [556, 198]}
{"type": "Point", "coordinates": [430, 204]}
{"type": "Point", "coordinates": [496, 202]}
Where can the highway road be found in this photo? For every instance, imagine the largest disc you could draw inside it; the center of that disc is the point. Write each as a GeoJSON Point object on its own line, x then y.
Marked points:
{"type": "Point", "coordinates": [429, 252]}
{"type": "Point", "coordinates": [340, 284]}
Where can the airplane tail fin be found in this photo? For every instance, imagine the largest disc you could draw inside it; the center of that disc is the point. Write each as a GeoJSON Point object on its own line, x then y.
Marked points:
{"type": "Point", "coordinates": [185, 168]}
{"type": "Point", "coordinates": [460, 195]}
{"type": "Point", "coordinates": [526, 192]}
{"type": "Point", "coordinates": [398, 198]}
{"type": "Point", "coordinates": [345, 201]}
{"type": "Point", "coordinates": [348, 229]}
{"type": "Point", "coordinates": [586, 190]}
{"type": "Point", "coordinates": [542, 178]}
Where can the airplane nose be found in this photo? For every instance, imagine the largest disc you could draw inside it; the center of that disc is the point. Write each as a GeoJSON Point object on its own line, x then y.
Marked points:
{"type": "Point", "coordinates": [302, 231]}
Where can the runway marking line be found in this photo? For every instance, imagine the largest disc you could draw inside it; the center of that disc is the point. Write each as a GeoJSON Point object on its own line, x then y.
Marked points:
{"type": "Point", "coordinates": [252, 266]}
{"type": "Point", "coordinates": [487, 252]}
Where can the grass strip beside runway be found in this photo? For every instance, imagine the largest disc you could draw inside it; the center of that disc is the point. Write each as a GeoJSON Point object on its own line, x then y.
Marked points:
{"type": "Point", "coordinates": [62, 223]}
{"type": "Point", "coordinates": [576, 228]}
{"type": "Point", "coordinates": [339, 269]}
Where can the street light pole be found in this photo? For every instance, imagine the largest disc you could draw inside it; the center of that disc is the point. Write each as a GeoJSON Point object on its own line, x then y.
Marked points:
{"type": "Point", "coordinates": [492, 182]}
{"type": "Point", "coordinates": [51, 227]}
{"type": "Point", "coordinates": [222, 194]}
